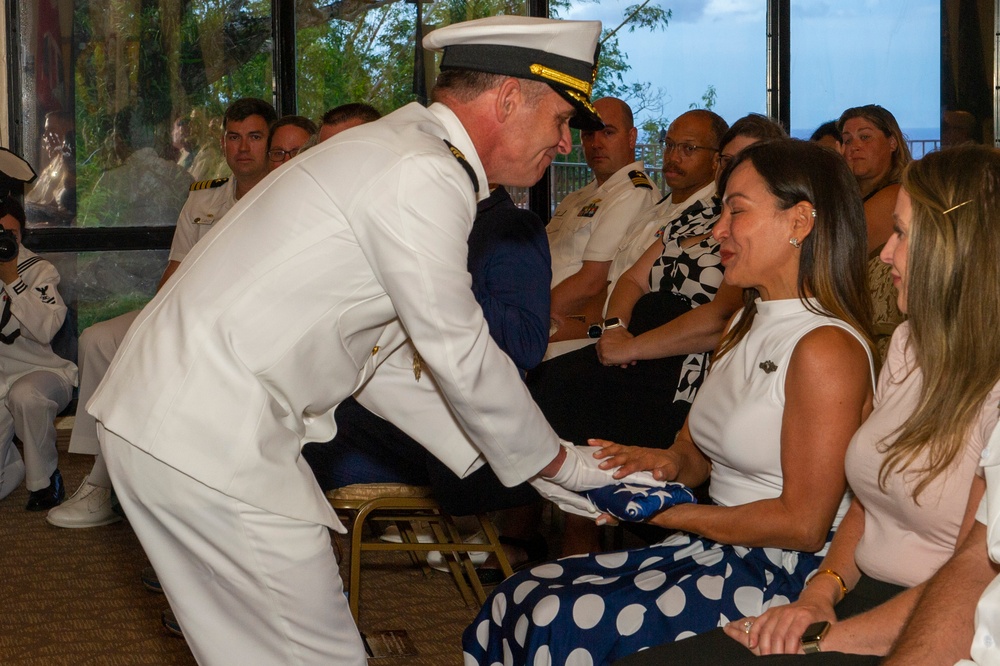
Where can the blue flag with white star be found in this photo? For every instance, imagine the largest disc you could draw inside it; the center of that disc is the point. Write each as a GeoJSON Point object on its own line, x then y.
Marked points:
{"type": "Point", "coordinates": [636, 504]}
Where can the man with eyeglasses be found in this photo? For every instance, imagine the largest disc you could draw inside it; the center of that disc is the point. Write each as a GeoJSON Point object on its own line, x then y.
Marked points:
{"type": "Point", "coordinates": [245, 145]}
{"type": "Point", "coordinates": [690, 159]}
{"type": "Point", "coordinates": [289, 136]}
{"type": "Point", "coordinates": [588, 225]}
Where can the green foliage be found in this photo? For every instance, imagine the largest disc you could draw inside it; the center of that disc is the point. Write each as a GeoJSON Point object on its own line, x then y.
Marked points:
{"type": "Point", "coordinates": [162, 58]}
{"type": "Point", "coordinates": [92, 313]}
{"type": "Point", "coordinates": [650, 130]}
{"type": "Point", "coordinates": [708, 99]}
{"type": "Point", "coordinates": [645, 100]}
{"type": "Point", "coordinates": [156, 60]}
{"type": "Point", "coordinates": [368, 57]}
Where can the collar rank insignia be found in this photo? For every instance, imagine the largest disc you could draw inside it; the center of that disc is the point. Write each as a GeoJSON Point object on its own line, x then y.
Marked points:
{"type": "Point", "coordinates": [768, 367]}
{"type": "Point", "coordinates": [640, 179]}
{"type": "Point", "coordinates": [590, 209]}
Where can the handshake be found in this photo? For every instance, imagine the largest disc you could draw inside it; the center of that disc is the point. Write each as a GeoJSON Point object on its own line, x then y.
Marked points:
{"type": "Point", "coordinates": [579, 473]}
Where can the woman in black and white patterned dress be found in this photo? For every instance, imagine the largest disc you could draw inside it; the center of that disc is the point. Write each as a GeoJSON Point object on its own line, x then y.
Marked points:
{"type": "Point", "coordinates": [645, 402]}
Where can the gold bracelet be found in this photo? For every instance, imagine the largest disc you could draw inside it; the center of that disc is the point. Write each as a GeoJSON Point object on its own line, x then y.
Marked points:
{"type": "Point", "coordinates": [830, 572]}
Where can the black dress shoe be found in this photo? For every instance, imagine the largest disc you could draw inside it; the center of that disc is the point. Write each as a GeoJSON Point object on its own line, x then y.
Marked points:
{"type": "Point", "coordinates": [48, 497]}
{"type": "Point", "coordinates": [170, 623]}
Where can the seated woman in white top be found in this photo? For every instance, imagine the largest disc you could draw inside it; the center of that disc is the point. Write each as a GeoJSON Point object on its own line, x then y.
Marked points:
{"type": "Point", "coordinates": [792, 381]}
{"type": "Point", "coordinates": [913, 464]}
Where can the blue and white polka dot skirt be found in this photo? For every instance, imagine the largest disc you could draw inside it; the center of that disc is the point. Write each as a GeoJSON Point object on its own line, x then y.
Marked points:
{"type": "Point", "coordinates": [592, 609]}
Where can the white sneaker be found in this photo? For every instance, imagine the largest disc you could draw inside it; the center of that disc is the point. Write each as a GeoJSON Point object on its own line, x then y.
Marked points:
{"type": "Point", "coordinates": [90, 506]}
{"type": "Point", "coordinates": [436, 560]}
{"type": "Point", "coordinates": [11, 470]}
{"type": "Point", "coordinates": [392, 535]}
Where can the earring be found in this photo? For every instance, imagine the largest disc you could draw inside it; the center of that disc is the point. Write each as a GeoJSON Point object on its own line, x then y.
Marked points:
{"type": "Point", "coordinates": [814, 213]}
{"type": "Point", "coordinates": [795, 243]}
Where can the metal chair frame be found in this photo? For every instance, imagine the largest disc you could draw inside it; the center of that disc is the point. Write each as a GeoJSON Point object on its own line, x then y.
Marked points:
{"type": "Point", "coordinates": [405, 505]}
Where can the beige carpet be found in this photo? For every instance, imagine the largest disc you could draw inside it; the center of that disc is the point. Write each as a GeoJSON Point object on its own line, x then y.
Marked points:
{"type": "Point", "coordinates": [74, 596]}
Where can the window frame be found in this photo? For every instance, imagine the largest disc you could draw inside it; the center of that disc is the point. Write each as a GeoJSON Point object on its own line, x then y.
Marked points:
{"type": "Point", "coordinates": [284, 97]}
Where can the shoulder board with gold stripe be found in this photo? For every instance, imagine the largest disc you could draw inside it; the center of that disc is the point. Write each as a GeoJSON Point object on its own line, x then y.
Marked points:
{"type": "Point", "coordinates": [208, 184]}
{"type": "Point", "coordinates": [465, 164]}
{"type": "Point", "coordinates": [640, 179]}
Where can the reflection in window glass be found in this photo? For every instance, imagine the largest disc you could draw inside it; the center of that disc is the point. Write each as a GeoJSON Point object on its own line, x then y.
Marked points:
{"type": "Point", "coordinates": [101, 285]}
{"type": "Point", "coordinates": [709, 55]}
{"type": "Point", "coordinates": [357, 52]}
{"type": "Point", "coordinates": [858, 52]}
{"type": "Point", "coordinates": [123, 102]}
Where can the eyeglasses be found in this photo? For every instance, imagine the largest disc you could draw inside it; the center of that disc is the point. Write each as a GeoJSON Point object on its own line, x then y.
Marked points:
{"type": "Point", "coordinates": [687, 149]}
{"type": "Point", "coordinates": [278, 155]}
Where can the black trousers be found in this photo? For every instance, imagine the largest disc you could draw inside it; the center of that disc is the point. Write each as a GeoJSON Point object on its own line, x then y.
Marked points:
{"type": "Point", "coordinates": [583, 399]}
{"type": "Point", "coordinates": [717, 649]}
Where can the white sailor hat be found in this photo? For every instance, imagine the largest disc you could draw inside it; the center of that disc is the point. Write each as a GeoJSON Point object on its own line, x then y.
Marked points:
{"type": "Point", "coordinates": [562, 54]}
{"type": "Point", "coordinates": [14, 172]}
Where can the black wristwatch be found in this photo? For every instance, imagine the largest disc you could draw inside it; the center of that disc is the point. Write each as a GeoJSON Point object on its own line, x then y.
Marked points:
{"type": "Point", "coordinates": [813, 635]}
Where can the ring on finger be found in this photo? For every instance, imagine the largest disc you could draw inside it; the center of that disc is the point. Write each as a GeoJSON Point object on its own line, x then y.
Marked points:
{"type": "Point", "coordinates": [747, 626]}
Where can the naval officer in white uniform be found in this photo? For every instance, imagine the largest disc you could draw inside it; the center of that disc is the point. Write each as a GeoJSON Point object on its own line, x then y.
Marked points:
{"type": "Point", "coordinates": [289, 305]}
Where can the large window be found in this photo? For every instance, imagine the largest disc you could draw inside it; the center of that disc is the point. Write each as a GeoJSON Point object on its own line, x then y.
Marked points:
{"type": "Point", "coordinates": [122, 102]}
{"type": "Point", "coordinates": [691, 55]}
{"type": "Point", "coordinates": [118, 103]}
{"type": "Point", "coordinates": [858, 52]}
{"type": "Point", "coordinates": [121, 111]}
{"type": "Point", "coordinates": [360, 52]}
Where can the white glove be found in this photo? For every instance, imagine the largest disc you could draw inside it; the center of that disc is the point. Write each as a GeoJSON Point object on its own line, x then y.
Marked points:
{"type": "Point", "coordinates": [567, 500]}
{"type": "Point", "coordinates": [580, 471]}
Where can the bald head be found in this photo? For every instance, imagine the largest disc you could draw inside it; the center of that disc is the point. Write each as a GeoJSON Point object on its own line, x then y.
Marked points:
{"type": "Point", "coordinates": [717, 126]}
{"type": "Point", "coordinates": [621, 110]}
{"type": "Point", "coordinates": [690, 152]}
{"type": "Point", "coordinates": [612, 148]}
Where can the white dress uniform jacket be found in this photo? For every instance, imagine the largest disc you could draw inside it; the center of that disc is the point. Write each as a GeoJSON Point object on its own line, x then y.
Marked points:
{"type": "Point", "coordinates": [33, 312]}
{"type": "Point", "coordinates": [207, 202]}
{"type": "Point", "coordinates": [589, 224]}
{"type": "Point", "coordinates": [290, 303]}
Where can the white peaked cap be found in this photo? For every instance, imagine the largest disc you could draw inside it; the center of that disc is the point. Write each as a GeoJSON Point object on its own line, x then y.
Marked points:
{"type": "Point", "coordinates": [562, 54]}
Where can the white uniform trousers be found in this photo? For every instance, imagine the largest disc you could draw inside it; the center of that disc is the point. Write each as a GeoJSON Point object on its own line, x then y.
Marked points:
{"type": "Point", "coordinates": [32, 403]}
{"type": "Point", "coordinates": [247, 586]}
{"type": "Point", "coordinates": [97, 348]}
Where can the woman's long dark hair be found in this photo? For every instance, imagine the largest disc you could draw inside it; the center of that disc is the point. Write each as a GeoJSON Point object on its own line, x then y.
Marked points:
{"type": "Point", "coordinates": [833, 257]}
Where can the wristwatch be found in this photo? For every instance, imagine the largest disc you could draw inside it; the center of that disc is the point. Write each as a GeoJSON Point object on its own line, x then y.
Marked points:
{"type": "Point", "coordinates": [813, 635]}
{"type": "Point", "coordinates": [597, 330]}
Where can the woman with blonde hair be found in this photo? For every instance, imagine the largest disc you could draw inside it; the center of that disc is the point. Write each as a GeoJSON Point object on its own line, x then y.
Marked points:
{"type": "Point", "coordinates": [913, 464]}
{"type": "Point", "coordinates": [770, 426]}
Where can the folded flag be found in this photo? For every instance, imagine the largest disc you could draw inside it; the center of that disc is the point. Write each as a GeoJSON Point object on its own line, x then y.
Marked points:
{"type": "Point", "coordinates": [636, 504]}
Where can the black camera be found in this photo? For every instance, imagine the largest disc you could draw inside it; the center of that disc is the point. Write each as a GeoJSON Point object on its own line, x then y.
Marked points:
{"type": "Point", "coordinates": [8, 245]}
